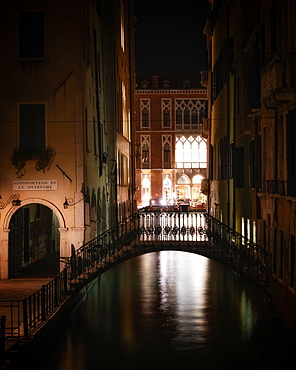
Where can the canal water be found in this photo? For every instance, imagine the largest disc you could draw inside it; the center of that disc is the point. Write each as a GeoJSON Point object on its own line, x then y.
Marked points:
{"type": "Point", "coordinates": [170, 310]}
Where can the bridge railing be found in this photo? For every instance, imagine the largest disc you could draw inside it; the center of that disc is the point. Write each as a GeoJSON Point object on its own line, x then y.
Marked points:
{"type": "Point", "coordinates": [222, 243]}
{"type": "Point", "coordinates": [244, 254]}
{"type": "Point", "coordinates": [101, 250]}
{"type": "Point", "coordinates": [21, 318]}
{"type": "Point", "coordinates": [171, 226]}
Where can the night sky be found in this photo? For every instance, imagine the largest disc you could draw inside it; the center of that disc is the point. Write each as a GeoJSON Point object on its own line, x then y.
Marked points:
{"type": "Point", "coordinates": [169, 35]}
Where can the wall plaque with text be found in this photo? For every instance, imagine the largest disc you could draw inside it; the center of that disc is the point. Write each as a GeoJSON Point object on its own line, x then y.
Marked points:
{"type": "Point", "coordinates": [35, 185]}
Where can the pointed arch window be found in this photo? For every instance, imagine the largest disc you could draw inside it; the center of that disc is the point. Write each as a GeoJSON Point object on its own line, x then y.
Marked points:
{"type": "Point", "coordinates": [166, 113]}
{"type": "Point", "coordinates": [189, 113]}
{"type": "Point", "coordinates": [167, 152]}
{"type": "Point", "coordinates": [145, 113]}
{"type": "Point", "coordinates": [145, 151]}
{"type": "Point", "coordinates": [191, 152]}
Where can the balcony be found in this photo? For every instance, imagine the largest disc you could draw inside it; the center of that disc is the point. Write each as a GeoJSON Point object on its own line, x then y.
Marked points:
{"type": "Point", "coordinates": [177, 165]}
{"type": "Point", "coordinates": [278, 79]}
{"type": "Point", "coordinates": [191, 165]}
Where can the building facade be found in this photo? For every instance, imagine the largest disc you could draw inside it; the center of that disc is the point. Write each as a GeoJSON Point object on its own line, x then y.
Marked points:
{"type": "Point", "coordinates": [170, 141]}
{"type": "Point", "coordinates": [252, 101]}
{"type": "Point", "coordinates": [66, 96]}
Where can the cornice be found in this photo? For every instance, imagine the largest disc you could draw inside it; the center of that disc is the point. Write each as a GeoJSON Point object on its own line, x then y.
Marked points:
{"type": "Point", "coordinates": [176, 92]}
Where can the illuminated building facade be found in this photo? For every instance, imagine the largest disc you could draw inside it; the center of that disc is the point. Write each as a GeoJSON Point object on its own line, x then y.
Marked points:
{"type": "Point", "coordinates": [66, 96]}
{"type": "Point", "coordinates": [171, 145]}
{"type": "Point", "coordinates": [252, 100]}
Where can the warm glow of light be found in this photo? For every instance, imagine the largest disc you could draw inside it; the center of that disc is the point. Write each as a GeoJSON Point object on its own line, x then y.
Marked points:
{"type": "Point", "coordinates": [186, 284]}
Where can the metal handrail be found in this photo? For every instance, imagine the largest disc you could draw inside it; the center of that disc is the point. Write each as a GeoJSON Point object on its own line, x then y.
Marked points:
{"type": "Point", "coordinates": [24, 317]}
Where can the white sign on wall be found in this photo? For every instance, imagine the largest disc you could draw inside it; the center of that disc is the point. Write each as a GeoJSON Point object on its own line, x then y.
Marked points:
{"type": "Point", "coordinates": [35, 185]}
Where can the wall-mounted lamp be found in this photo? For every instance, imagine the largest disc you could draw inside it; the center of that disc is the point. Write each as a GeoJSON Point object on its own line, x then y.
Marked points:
{"type": "Point", "coordinates": [70, 202]}
{"type": "Point", "coordinates": [15, 199]}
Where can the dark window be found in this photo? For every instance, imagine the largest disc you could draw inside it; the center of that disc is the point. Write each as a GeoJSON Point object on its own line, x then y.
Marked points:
{"type": "Point", "coordinates": [31, 35]}
{"type": "Point", "coordinates": [186, 118]}
{"type": "Point", "coordinates": [167, 156]}
{"type": "Point", "coordinates": [32, 126]}
{"type": "Point", "coordinates": [258, 179]}
{"type": "Point", "coordinates": [239, 167]}
{"type": "Point", "coordinates": [194, 118]}
{"type": "Point", "coordinates": [166, 118]}
{"type": "Point", "coordinates": [145, 158]}
{"type": "Point", "coordinates": [179, 117]}
{"type": "Point", "coordinates": [145, 117]}
{"type": "Point", "coordinates": [252, 164]}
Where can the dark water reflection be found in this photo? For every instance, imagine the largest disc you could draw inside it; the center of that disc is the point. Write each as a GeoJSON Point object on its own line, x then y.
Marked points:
{"type": "Point", "coordinates": [170, 310]}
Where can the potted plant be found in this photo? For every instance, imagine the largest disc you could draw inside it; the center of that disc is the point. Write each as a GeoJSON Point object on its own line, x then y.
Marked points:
{"type": "Point", "coordinates": [43, 158]}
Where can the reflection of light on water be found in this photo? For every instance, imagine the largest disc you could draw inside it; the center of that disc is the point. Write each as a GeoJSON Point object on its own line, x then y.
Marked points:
{"type": "Point", "coordinates": [148, 271]}
{"type": "Point", "coordinates": [246, 315]}
{"type": "Point", "coordinates": [183, 277]}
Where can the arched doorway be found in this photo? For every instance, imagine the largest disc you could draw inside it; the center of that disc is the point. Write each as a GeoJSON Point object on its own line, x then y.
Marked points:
{"type": "Point", "coordinates": [198, 198]}
{"type": "Point", "coordinates": [183, 188]}
{"type": "Point", "coordinates": [34, 242]}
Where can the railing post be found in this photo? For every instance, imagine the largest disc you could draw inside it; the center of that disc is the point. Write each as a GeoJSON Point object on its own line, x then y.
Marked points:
{"type": "Point", "coordinates": [25, 318]}
{"type": "Point", "coordinates": [2, 337]}
{"type": "Point", "coordinates": [55, 282]}
{"type": "Point", "coordinates": [65, 280]}
{"type": "Point", "coordinates": [43, 302]}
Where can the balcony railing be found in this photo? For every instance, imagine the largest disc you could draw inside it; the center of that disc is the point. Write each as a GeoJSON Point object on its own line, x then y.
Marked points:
{"type": "Point", "coordinates": [175, 165]}
{"type": "Point", "coordinates": [191, 165]}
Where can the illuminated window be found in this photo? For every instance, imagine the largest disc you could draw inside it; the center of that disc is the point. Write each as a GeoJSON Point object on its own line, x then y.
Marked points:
{"type": "Point", "coordinates": [197, 196]}
{"type": "Point", "coordinates": [183, 187]}
{"type": "Point", "coordinates": [191, 152]}
{"type": "Point", "coordinates": [254, 232]}
{"type": "Point", "coordinates": [167, 189]}
{"type": "Point", "coordinates": [146, 188]}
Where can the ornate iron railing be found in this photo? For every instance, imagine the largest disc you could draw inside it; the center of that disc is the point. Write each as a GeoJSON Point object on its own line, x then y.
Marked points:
{"type": "Point", "coordinates": [143, 232]}
{"type": "Point", "coordinates": [241, 253]}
